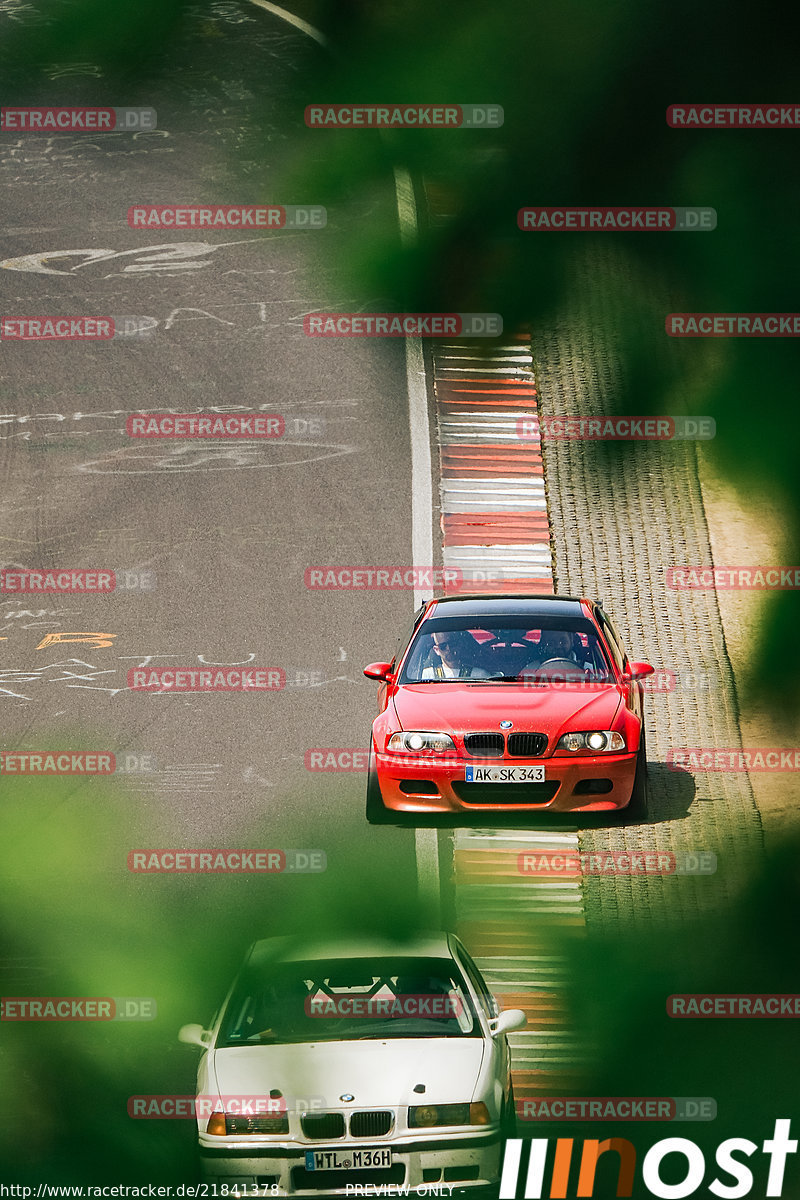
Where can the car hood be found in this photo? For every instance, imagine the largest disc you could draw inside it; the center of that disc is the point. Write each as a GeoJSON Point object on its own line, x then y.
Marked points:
{"type": "Point", "coordinates": [470, 707]}
{"type": "Point", "coordinates": [375, 1073]}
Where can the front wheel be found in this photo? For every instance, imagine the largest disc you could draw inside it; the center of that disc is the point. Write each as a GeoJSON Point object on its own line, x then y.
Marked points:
{"type": "Point", "coordinates": [377, 812]}
{"type": "Point", "coordinates": [639, 801]}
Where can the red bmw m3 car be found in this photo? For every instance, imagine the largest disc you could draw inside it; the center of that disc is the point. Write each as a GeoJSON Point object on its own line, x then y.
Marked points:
{"type": "Point", "coordinates": [508, 703]}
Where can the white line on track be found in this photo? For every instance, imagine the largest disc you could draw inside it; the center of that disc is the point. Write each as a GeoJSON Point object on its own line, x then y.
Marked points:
{"type": "Point", "coordinates": [298, 22]}
{"type": "Point", "coordinates": [427, 840]}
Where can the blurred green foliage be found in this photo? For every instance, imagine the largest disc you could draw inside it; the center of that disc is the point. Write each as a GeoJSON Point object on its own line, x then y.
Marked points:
{"type": "Point", "coordinates": [585, 87]}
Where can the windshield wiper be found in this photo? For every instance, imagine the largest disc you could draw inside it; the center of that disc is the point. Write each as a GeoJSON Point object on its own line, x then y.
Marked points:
{"type": "Point", "coordinates": [456, 679]}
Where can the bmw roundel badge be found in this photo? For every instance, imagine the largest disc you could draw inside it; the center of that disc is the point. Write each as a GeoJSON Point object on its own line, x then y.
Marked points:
{"type": "Point", "coordinates": [506, 724]}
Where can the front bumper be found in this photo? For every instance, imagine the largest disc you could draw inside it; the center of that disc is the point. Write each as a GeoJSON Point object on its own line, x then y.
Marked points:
{"type": "Point", "coordinates": [464, 1163]}
{"type": "Point", "coordinates": [586, 783]}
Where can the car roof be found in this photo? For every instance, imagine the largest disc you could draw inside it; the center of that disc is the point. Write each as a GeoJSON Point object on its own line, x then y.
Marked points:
{"type": "Point", "coordinates": [428, 944]}
{"type": "Point", "coordinates": [509, 605]}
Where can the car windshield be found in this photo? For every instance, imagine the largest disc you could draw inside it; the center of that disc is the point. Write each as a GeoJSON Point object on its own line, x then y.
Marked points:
{"type": "Point", "coordinates": [506, 649]}
{"type": "Point", "coordinates": [349, 1000]}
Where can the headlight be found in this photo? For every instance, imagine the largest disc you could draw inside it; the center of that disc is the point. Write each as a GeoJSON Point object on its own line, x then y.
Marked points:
{"type": "Point", "coordinates": [597, 741]}
{"type": "Point", "coordinates": [425, 1116]}
{"type": "Point", "coordinates": [222, 1124]}
{"type": "Point", "coordinates": [412, 743]}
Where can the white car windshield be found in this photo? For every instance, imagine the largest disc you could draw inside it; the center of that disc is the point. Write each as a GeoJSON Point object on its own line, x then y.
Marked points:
{"type": "Point", "coordinates": [349, 999]}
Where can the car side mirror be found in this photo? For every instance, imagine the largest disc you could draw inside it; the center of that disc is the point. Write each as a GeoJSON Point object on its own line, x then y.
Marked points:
{"type": "Point", "coordinates": [380, 670]}
{"type": "Point", "coordinates": [637, 670]}
{"type": "Point", "coordinates": [194, 1035]}
{"type": "Point", "coordinates": [509, 1019]}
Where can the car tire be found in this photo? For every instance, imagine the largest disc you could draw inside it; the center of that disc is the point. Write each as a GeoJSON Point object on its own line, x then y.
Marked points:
{"type": "Point", "coordinates": [377, 812]}
{"type": "Point", "coordinates": [639, 801]}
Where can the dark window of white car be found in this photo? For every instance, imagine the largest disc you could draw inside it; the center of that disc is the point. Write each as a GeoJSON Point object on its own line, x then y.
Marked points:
{"type": "Point", "coordinates": [348, 1000]}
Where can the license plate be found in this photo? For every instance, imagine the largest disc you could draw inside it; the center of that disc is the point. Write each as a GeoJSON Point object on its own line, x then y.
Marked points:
{"type": "Point", "coordinates": [347, 1160]}
{"type": "Point", "coordinates": [504, 774]}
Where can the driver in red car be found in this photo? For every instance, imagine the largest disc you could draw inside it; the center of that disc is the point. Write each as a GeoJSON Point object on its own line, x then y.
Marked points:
{"type": "Point", "coordinates": [560, 645]}
{"type": "Point", "coordinates": [454, 652]}
{"type": "Point", "coordinates": [555, 643]}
